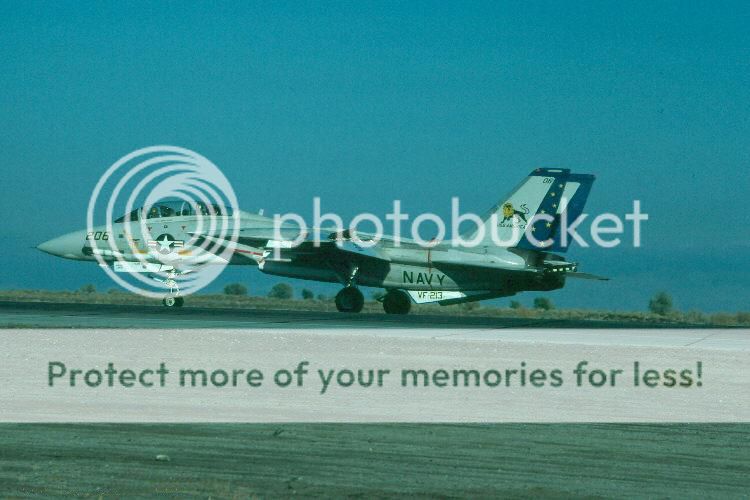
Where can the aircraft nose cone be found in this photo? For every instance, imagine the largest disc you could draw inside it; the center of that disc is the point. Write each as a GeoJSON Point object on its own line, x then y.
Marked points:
{"type": "Point", "coordinates": [68, 245]}
{"type": "Point", "coordinates": [48, 247]}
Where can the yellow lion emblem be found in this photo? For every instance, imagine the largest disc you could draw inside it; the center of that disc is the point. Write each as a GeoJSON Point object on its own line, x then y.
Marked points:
{"type": "Point", "coordinates": [509, 212]}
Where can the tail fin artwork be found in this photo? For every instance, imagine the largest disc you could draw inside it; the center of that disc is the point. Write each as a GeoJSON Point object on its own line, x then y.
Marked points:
{"type": "Point", "coordinates": [576, 194]}
{"type": "Point", "coordinates": [539, 193]}
{"type": "Point", "coordinates": [569, 205]}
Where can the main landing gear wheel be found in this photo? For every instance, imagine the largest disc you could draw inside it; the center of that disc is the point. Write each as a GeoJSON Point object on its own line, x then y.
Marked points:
{"type": "Point", "coordinates": [172, 301]}
{"type": "Point", "coordinates": [396, 302]}
{"type": "Point", "coordinates": [350, 299]}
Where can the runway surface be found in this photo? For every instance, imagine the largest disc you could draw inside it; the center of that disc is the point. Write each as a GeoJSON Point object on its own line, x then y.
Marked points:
{"type": "Point", "coordinates": [434, 327]}
{"type": "Point", "coordinates": [386, 460]}
{"type": "Point", "coordinates": [56, 315]}
{"type": "Point", "coordinates": [375, 461]}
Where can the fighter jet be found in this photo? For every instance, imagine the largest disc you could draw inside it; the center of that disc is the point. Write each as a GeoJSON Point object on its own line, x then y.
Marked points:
{"type": "Point", "coordinates": [172, 240]}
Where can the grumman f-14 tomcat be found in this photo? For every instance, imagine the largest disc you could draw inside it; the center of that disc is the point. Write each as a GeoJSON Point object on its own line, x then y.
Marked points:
{"type": "Point", "coordinates": [166, 238]}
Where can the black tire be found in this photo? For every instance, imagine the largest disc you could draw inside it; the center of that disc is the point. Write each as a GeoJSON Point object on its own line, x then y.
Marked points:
{"type": "Point", "coordinates": [179, 302]}
{"type": "Point", "coordinates": [350, 299]}
{"type": "Point", "coordinates": [170, 301]}
{"type": "Point", "coordinates": [396, 302]}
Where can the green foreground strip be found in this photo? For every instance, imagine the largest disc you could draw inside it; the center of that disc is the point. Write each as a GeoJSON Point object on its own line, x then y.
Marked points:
{"type": "Point", "coordinates": [556, 460]}
{"type": "Point", "coordinates": [475, 310]}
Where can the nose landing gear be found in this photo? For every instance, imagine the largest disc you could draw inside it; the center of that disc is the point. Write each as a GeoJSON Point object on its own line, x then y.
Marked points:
{"type": "Point", "coordinates": [173, 299]}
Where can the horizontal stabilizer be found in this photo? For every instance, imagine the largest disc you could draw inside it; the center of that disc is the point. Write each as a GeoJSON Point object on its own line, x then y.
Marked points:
{"type": "Point", "coordinates": [586, 276]}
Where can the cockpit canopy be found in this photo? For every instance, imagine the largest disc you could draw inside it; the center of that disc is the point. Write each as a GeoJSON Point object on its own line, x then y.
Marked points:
{"type": "Point", "coordinates": [178, 208]}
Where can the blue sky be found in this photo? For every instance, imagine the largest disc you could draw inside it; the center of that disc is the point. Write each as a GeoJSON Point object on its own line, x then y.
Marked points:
{"type": "Point", "coordinates": [361, 103]}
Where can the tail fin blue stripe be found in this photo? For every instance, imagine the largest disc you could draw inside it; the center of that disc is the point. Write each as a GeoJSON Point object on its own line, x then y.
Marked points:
{"type": "Point", "coordinates": [575, 206]}
{"type": "Point", "coordinates": [546, 231]}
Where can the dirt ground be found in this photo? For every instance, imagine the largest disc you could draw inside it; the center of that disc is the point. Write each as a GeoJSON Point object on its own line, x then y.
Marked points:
{"type": "Point", "coordinates": [237, 461]}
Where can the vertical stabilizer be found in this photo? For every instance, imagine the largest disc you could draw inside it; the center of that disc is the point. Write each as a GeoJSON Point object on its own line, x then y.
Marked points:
{"type": "Point", "coordinates": [540, 192]}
